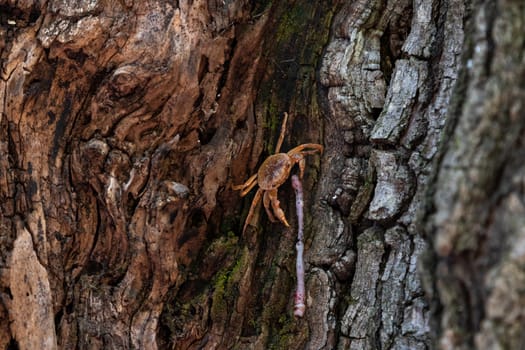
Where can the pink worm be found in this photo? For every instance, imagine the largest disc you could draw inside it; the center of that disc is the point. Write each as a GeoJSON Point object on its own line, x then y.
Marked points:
{"type": "Point", "coordinates": [299, 297]}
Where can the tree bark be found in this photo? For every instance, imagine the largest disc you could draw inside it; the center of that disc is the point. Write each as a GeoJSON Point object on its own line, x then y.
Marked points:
{"type": "Point", "coordinates": [476, 223]}
{"type": "Point", "coordinates": [124, 125]}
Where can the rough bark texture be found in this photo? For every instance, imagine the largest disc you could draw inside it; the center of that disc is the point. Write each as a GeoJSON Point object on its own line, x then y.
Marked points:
{"type": "Point", "coordinates": [477, 223]}
{"type": "Point", "coordinates": [123, 126]}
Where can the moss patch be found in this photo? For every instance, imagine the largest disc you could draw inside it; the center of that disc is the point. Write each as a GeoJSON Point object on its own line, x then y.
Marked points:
{"type": "Point", "coordinates": [226, 290]}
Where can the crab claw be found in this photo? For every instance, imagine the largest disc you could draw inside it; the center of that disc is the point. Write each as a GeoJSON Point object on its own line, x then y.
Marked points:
{"type": "Point", "coordinates": [279, 213]}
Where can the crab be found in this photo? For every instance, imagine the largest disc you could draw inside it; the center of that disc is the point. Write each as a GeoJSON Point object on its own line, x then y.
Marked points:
{"type": "Point", "coordinates": [272, 173]}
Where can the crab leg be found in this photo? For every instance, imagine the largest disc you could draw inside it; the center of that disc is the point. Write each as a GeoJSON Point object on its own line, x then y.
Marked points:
{"type": "Point", "coordinates": [313, 148]}
{"type": "Point", "coordinates": [281, 136]}
{"type": "Point", "coordinates": [246, 190]}
{"type": "Point", "coordinates": [267, 203]}
{"type": "Point", "coordinates": [279, 213]}
{"type": "Point", "coordinates": [297, 154]}
{"type": "Point", "coordinates": [256, 200]}
{"type": "Point", "coordinates": [247, 186]}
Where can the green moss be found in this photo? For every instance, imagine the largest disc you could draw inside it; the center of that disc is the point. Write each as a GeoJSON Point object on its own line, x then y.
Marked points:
{"type": "Point", "coordinates": [287, 324]}
{"type": "Point", "coordinates": [283, 331]}
{"type": "Point", "coordinates": [287, 333]}
{"type": "Point", "coordinates": [220, 304]}
{"type": "Point", "coordinates": [290, 24]}
{"type": "Point", "coordinates": [225, 289]}
{"type": "Point", "coordinates": [223, 249]}
{"type": "Point", "coordinates": [226, 244]}
{"type": "Point", "coordinates": [253, 323]}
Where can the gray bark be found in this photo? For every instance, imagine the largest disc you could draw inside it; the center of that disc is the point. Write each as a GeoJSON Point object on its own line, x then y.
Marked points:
{"type": "Point", "coordinates": [390, 70]}
{"type": "Point", "coordinates": [477, 222]}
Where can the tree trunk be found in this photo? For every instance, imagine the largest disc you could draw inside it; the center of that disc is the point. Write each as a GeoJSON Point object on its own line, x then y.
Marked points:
{"type": "Point", "coordinates": [124, 125]}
